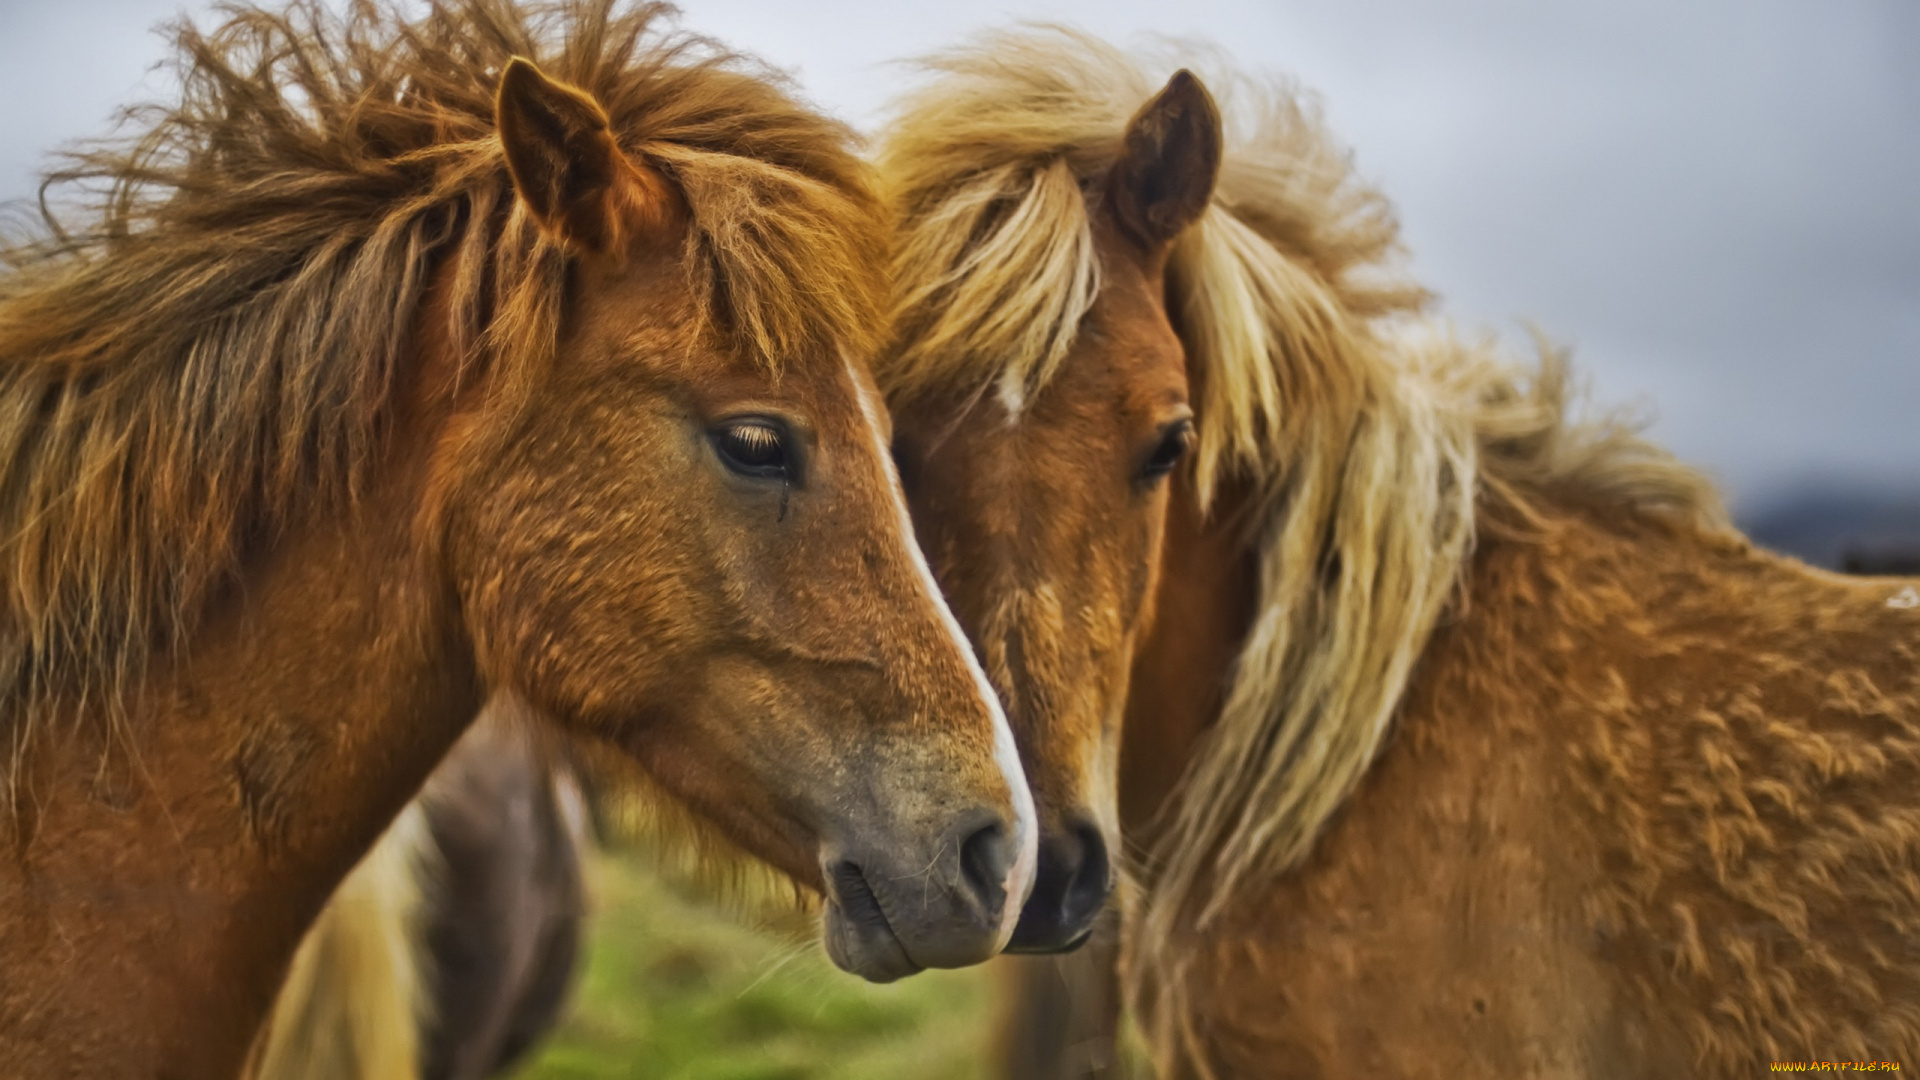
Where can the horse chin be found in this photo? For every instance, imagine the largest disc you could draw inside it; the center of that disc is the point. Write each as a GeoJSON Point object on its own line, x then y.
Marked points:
{"type": "Point", "coordinates": [862, 942]}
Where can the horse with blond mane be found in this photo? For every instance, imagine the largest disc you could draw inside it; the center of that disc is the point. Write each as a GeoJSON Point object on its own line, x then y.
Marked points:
{"type": "Point", "coordinates": [1447, 735]}
{"type": "Point", "coordinates": [389, 372]}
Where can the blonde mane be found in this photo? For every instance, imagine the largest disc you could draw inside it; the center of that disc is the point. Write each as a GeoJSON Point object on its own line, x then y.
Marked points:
{"type": "Point", "coordinates": [201, 350]}
{"type": "Point", "coordinates": [358, 993]}
{"type": "Point", "coordinates": [1375, 441]}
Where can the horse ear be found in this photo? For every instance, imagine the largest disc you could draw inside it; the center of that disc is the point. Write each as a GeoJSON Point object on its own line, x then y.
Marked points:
{"type": "Point", "coordinates": [565, 163]}
{"type": "Point", "coordinates": [1169, 163]}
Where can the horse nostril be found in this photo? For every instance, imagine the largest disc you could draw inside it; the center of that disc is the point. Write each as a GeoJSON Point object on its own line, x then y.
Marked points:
{"type": "Point", "coordinates": [847, 883]}
{"type": "Point", "coordinates": [1087, 889]}
{"type": "Point", "coordinates": [986, 858]}
{"type": "Point", "coordinates": [1075, 876]}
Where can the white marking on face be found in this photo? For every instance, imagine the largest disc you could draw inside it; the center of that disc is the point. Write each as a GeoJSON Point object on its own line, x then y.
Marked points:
{"type": "Point", "coordinates": [1905, 598]}
{"type": "Point", "coordinates": [1013, 396]}
{"type": "Point", "coordinates": [1026, 823]}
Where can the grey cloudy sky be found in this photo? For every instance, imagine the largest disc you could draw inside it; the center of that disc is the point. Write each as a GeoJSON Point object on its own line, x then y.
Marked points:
{"type": "Point", "coordinates": [1716, 202]}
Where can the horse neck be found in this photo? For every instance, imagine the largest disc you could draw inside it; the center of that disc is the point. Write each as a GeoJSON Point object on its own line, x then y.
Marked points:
{"type": "Point", "coordinates": [1203, 607]}
{"type": "Point", "coordinates": [161, 879]}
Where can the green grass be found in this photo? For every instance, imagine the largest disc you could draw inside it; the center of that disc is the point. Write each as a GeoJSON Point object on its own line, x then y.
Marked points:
{"type": "Point", "coordinates": [676, 987]}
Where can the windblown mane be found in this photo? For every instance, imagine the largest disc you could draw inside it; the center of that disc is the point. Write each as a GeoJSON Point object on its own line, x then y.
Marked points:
{"type": "Point", "coordinates": [1376, 442]}
{"type": "Point", "coordinates": [201, 349]}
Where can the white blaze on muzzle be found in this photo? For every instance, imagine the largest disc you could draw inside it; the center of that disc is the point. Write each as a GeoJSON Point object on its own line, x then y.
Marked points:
{"type": "Point", "coordinates": [1026, 824]}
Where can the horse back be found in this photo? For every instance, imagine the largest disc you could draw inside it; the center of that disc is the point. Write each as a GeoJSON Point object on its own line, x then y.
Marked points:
{"type": "Point", "coordinates": [1747, 761]}
{"type": "Point", "coordinates": [1651, 809]}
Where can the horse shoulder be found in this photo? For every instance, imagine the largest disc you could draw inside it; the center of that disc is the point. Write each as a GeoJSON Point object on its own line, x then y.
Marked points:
{"type": "Point", "coordinates": [1751, 761]}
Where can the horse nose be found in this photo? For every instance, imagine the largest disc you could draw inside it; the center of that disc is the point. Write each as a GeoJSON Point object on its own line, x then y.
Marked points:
{"type": "Point", "coordinates": [984, 854]}
{"type": "Point", "coordinates": [1075, 877]}
{"type": "Point", "coordinates": [893, 911]}
{"type": "Point", "coordinates": [986, 865]}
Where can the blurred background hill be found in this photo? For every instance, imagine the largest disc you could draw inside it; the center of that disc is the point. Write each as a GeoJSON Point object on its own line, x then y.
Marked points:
{"type": "Point", "coordinates": [1858, 528]}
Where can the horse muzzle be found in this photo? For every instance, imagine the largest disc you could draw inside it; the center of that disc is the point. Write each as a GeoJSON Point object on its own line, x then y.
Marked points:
{"type": "Point", "coordinates": [1074, 880]}
{"type": "Point", "coordinates": [893, 910]}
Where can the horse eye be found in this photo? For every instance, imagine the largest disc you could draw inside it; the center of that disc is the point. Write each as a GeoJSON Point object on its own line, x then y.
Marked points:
{"type": "Point", "coordinates": [755, 448]}
{"type": "Point", "coordinates": [1173, 446]}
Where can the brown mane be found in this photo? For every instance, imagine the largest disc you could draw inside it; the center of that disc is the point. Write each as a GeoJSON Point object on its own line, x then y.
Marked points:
{"type": "Point", "coordinates": [203, 348]}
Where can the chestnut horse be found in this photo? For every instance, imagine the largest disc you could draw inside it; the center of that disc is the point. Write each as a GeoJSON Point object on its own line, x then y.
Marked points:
{"type": "Point", "coordinates": [390, 373]}
{"type": "Point", "coordinates": [1460, 738]}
